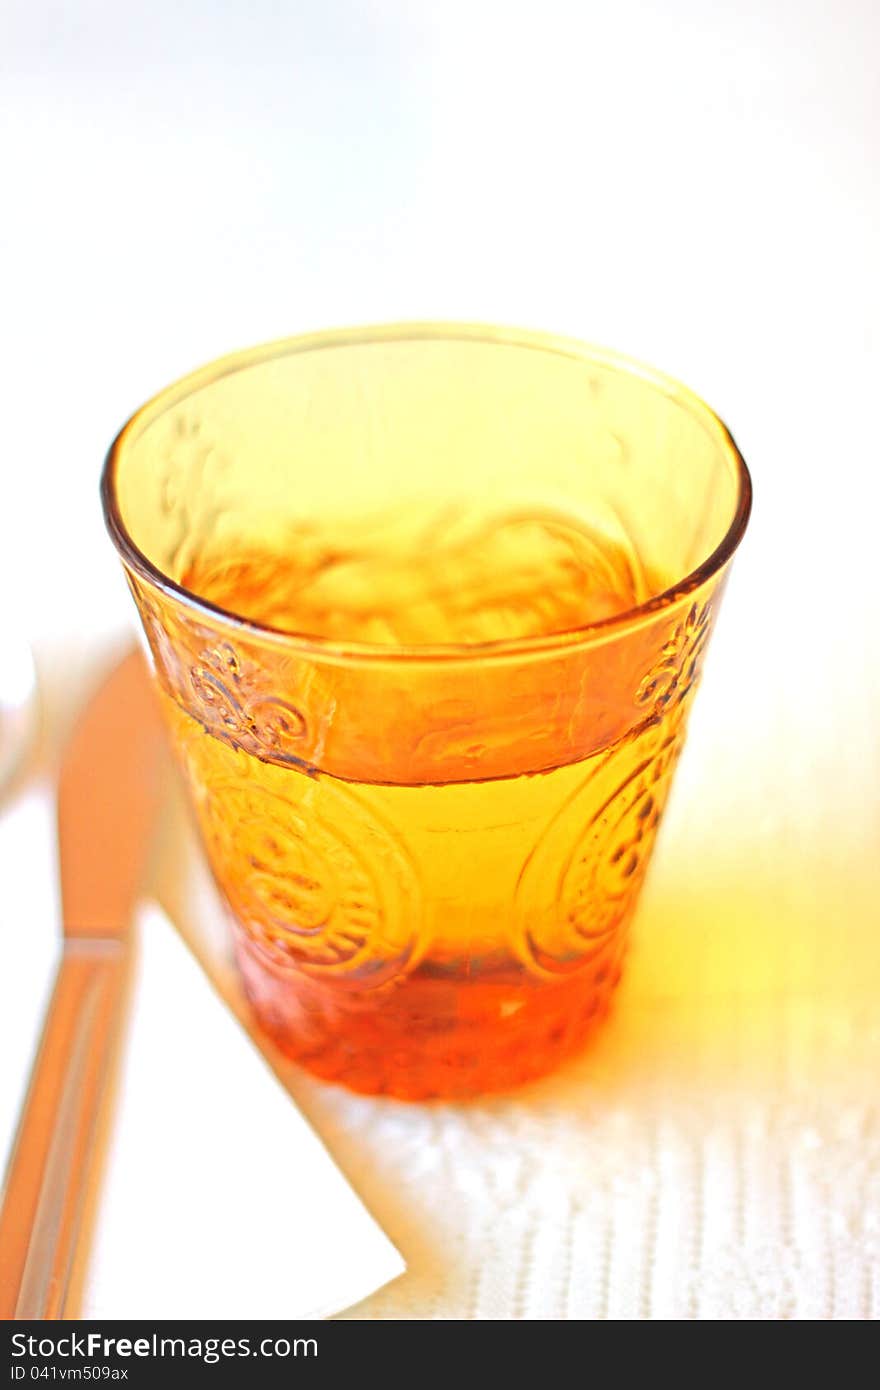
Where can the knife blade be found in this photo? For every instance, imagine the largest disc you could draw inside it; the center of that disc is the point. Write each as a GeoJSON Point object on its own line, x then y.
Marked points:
{"type": "Point", "coordinates": [107, 801]}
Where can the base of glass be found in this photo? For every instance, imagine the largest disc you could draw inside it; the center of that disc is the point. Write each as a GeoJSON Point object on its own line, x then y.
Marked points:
{"type": "Point", "coordinates": [426, 1038]}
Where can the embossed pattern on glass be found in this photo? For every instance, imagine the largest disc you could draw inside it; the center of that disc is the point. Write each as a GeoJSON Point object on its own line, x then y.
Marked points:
{"type": "Point", "coordinates": [427, 608]}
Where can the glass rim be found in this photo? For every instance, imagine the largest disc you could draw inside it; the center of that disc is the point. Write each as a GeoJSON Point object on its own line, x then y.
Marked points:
{"type": "Point", "coordinates": [333, 649]}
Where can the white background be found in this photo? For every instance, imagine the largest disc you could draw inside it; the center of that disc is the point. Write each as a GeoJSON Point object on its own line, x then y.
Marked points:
{"type": "Point", "coordinates": [695, 184]}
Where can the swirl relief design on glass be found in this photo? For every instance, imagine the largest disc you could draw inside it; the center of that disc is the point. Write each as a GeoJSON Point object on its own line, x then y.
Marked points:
{"type": "Point", "coordinates": [316, 881]}
{"type": "Point", "coordinates": [579, 885]}
{"type": "Point", "coordinates": [217, 685]}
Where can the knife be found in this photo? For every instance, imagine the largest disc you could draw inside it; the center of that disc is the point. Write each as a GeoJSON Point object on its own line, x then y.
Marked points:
{"type": "Point", "coordinates": [107, 801]}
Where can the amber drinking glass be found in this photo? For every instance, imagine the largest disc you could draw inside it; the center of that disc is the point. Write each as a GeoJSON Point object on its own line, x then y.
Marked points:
{"type": "Point", "coordinates": [427, 606]}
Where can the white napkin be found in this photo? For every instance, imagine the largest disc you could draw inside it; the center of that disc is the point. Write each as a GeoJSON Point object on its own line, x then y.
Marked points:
{"type": "Point", "coordinates": [218, 1200]}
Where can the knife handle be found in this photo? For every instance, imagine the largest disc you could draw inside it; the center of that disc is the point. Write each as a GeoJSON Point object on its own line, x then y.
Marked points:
{"type": "Point", "coordinates": [49, 1181]}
